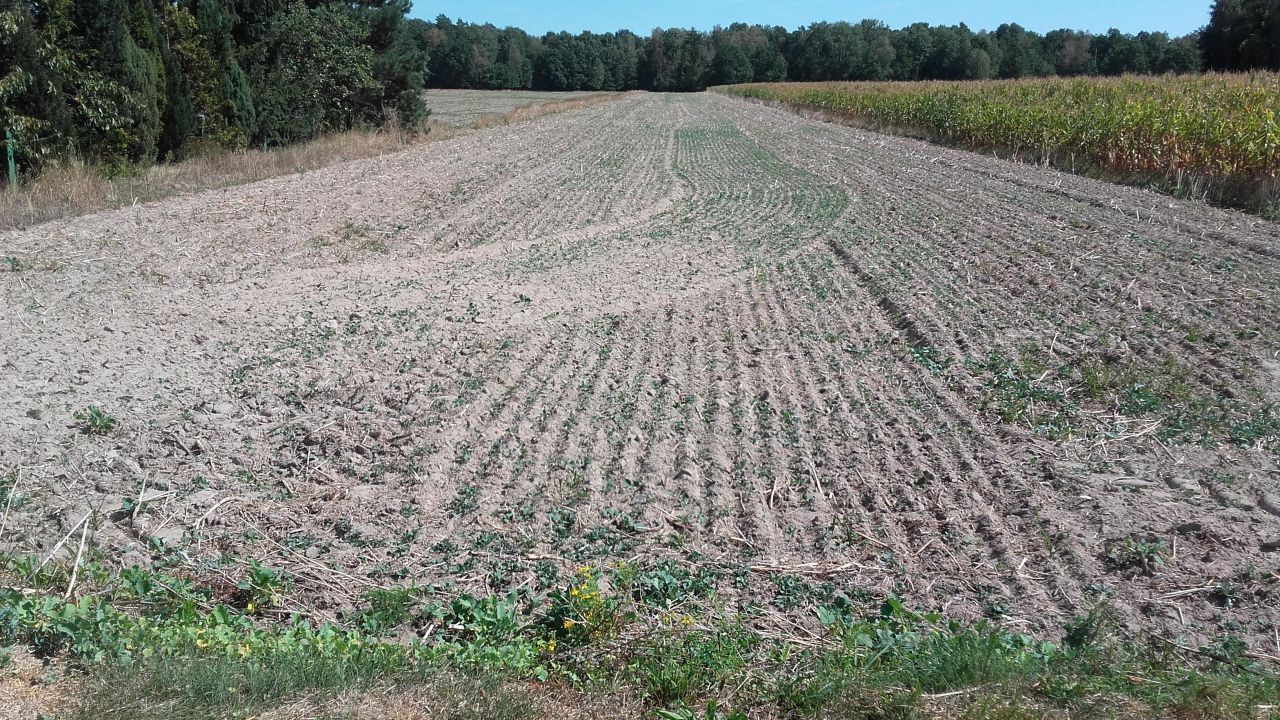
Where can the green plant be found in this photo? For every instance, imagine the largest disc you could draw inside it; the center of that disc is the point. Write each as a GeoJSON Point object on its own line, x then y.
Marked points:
{"type": "Point", "coordinates": [668, 584]}
{"type": "Point", "coordinates": [682, 667]}
{"type": "Point", "coordinates": [262, 588]}
{"type": "Point", "coordinates": [466, 501]}
{"type": "Point", "coordinates": [1143, 553]}
{"type": "Point", "coordinates": [153, 646]}
{"type": "Point", "coordinates": [387, 609]}
{"type": "Point", "coordinates": [581, 613]}
{"type": "Point", "coordinates": [1169, 128]}
{"type": "Point", "coordinates": [95, 421]}
{"type": "Point", "coordinates": [931, 358]}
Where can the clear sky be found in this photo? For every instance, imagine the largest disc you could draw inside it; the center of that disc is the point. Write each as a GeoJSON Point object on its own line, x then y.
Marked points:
{"type": "Point", "coordinates": [1176, 17]}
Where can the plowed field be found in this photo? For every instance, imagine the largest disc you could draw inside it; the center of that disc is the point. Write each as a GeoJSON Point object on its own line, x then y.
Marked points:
{"type": "Point", "coordinates": [793, 361]}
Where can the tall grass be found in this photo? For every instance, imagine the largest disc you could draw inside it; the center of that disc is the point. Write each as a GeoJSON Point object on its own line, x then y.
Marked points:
{"type": "Point", "coordinates": [1215, 135]}
{"type": "Point", "coordinates": [74, 187]}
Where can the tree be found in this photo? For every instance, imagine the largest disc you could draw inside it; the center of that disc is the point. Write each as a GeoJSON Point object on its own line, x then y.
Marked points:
{"type": "Point", "coordinates": [1020, 53]}
{"type": "Point", "coordinates": [313, 74]}
{"type": "Point", "coordinates": [1119, 54]}
{"type": "Point", "coordinates": [399, 62]}
{"type": "Point", "coordinates": [679, 60]}
{"type": "Point", "coordinates": [913, 46]}
{"type": "Point", "coordinates": [121, 77]}
{"type": "Point", "coordinates": [1070, 52]}
{"type": "Point", "coordinates": [951, 55]}
{"type": "Point", "coordinates": [1242, 35]}
{"type": "Point", "coordinates": [19, 86]}
{"type": "Point", "coordinates": [229, 96]}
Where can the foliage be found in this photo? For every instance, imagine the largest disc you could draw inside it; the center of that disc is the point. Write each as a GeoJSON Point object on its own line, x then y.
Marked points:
{"type": "Point", "coordinates": [1242, 35]}
{"type": "Point", "coordinates": [581, 613]}
{"type": "Point", "coordinates": [130, 82]}
{"type": "Point", "coordinates": [95, 420]}
{"type": "Point", "coordinates": [1215, 126]}
{"type": "Point", "coordinates": [154, 645]}
{"type": "Point", "coordinates": [465, 55]}
{"type": "Point", "coordinates": [312, 75]}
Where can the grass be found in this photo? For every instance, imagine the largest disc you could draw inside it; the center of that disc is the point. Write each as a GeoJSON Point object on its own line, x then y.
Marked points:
{"type": "Point", "coordinates": [1208, 135]}
{"type": "Point", "coordinates": [146, 645]}
{"type": "Point", "coordinates": [1055, 399]}
{"type": "Point", "coordinates": [75, 188]}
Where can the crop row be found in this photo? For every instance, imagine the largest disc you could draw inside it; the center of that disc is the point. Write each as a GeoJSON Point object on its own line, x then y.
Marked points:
{"type": "Point", "coordinates": [1216, 126]}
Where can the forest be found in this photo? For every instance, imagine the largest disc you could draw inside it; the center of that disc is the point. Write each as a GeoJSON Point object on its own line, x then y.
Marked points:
{"type": "Point", "coordinates": [124, 82]}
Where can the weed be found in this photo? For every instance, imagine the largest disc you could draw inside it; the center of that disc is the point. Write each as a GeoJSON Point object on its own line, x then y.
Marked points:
{"type": "Point", "coordinates": [153, 646]}
{"type": "Point", "coordinates": [387, 609]}
{"type": "Point", "coordinates": [669, 584]}
{"type": "Point", "coordinates": [581, 613]}
{"type": "Point", "coordinates": [262, 588]}
{"type": "Point", "coordinates": [466, 501]}
{"type": "Point", "coordinates": [931, 358]}
{"type": "Point", "coordinates": [711, 712]}
{"type": "Point", "coordinates": [680, 668]}
{"type": "Point", "coordinates": [95, 421]}
{"type": "Point", "coordinates": [1135, 553]}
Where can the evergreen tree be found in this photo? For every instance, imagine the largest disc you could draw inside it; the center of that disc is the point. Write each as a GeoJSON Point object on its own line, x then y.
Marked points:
{"type": "Point", "coordinates": [230, 98]}
{"type": "Point", "coordinates": [399, 59]}
{"type": "Point", "coordinates": [313, 74]}
{"type": "Point", "coordinates": [122, 79]}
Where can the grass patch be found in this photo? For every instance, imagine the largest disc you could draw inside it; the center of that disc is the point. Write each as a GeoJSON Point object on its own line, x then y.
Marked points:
{"type": "Point", "coordinates": [1061, 400]}
{"type": "Point", "coordinates": [145, 645]}
{"type": "Point", "coordinates": [75, 187]}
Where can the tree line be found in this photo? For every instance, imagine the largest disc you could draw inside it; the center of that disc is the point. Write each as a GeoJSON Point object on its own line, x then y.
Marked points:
{"type": "Point", "coordinates": [122, 82]}
{"type": "Point", "coordinates": [1241, 35]}
{"type": "Point", "coordinates": [467, 55]}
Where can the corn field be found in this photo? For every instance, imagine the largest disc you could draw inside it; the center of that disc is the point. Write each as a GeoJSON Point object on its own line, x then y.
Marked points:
{"type": "Point", "coordinates": [1216, 126]}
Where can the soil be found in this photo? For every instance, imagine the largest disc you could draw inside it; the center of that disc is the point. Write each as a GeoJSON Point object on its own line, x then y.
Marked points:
{"type": "Point", "coordinates": [804, 362]}
{"type": "Point", "coordinates": [461, 108]}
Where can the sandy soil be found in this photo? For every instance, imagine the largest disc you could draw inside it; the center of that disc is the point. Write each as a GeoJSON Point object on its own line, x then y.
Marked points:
{"type": "Point", "coordinates": [461, 108]}
{"type": "Point", "coordinates": [796, 361]}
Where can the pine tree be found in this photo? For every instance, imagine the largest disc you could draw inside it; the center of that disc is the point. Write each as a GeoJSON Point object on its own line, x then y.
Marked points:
{"type": "Point", "coordinates": [399, 60]}
{"type": "Point", "coordinates": [119, 83]}
{"type": "Point", "coordinates": [231, 98]}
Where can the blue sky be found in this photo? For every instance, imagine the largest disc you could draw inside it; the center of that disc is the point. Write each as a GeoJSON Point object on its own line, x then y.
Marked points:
{"type": "Point", "coordinates": [1176, 17]}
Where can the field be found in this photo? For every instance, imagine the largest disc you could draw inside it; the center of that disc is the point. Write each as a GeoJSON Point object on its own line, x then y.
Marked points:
{"type": "Point", "coordinates": [463, 108]}
{"type": "Point", "coordinates": [701, 349]}
{"type": "Point", "coordinates": [1210, 135]}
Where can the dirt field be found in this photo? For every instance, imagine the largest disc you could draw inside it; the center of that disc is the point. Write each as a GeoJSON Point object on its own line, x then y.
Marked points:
{"type": "Point", "coordinates": [797, 362]}
{"type": "Point", "coordinates": [461, 108]}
